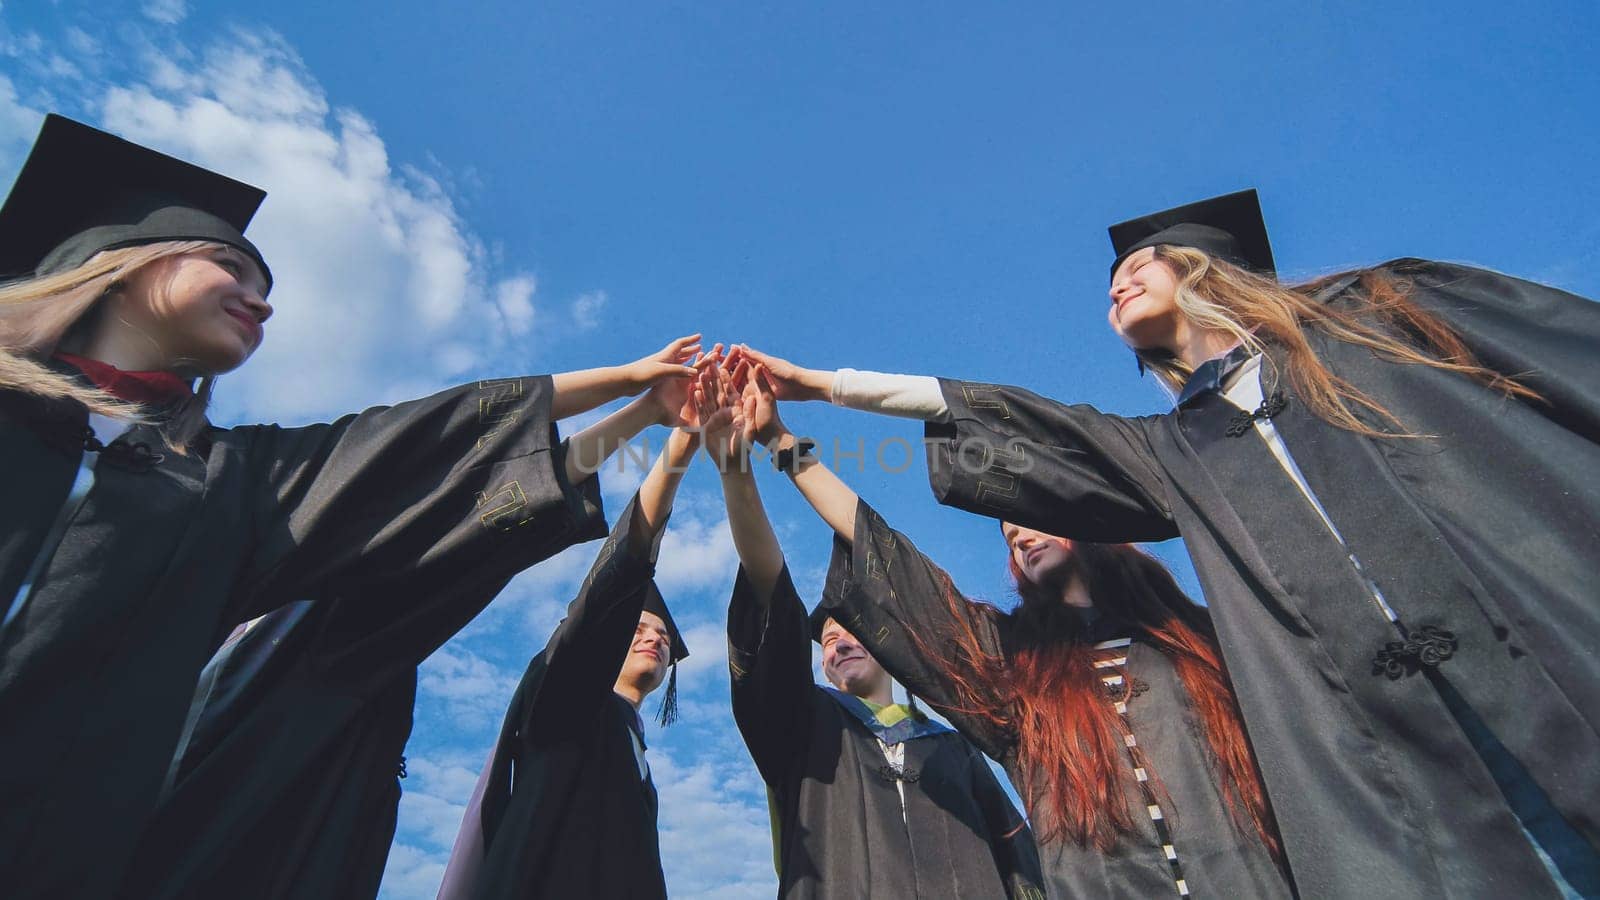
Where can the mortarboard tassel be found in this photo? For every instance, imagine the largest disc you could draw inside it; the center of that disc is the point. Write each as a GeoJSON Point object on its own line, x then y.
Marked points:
{"type": "Point", "coordinates": [668, 712]}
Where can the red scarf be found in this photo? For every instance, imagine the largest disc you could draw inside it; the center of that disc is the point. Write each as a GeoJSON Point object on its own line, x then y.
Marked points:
{"type": "Point", "coordinates": [147, 388]}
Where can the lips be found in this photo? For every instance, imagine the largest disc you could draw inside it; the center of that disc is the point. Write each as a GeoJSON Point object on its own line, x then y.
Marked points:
{"type": "Point", "coordinates": [249, 322]}
{"type": "Point", "coordinates": [652, 652]}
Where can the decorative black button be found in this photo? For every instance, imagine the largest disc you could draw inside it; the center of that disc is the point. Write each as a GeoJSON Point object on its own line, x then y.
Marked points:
{"type": "Point", "coordinates": [1424, 648]}
{"type": "Point", "coordinates": [1271, 406]}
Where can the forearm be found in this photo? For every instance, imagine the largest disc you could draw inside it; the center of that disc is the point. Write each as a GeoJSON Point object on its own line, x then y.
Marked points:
{"type": "Point", "coordinates": [660, 487]}
{"type": "Point", "coordinates": [753, 537]}
{"type": "Point", "coordinates": [832, 499]}
{"type": "Point", "coordinates": [583, 390]}
{"type": "Point", "coordinates": [906, 396]}
{"type": "Point", "coordinates": [588, 450]}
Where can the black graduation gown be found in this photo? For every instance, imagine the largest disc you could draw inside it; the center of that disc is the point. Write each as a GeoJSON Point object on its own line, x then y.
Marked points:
{"type": "Point", "coordinates": [564, 811]}
{"type": "Point", "coordinates": [882, 588]}
{"type": "Point", "coordinates": [420, 506]}
{"type": "Point", "coordinates": [840, 829]}
{"type": "Point", "coordinates": [1488, 527]}
{"type": "Point", "coordinates": [288, 785]}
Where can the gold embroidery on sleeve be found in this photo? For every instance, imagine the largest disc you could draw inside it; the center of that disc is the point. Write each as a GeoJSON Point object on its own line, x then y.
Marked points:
{"type": "Point", "coordinates": [505, 508]}
{"type": "Point", "coordinates": [985, 396]}
{"type": "Point", "coordinates": [499, 406]}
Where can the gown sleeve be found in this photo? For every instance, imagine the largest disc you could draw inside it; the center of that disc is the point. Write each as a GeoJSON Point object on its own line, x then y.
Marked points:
{"type": "Point", "coordinates": [430, 498]}
{"type": "Point", "coordinates": [905, 609]}
{"type": "Point", "coordinates": [769, 665]}
{"type": "Point", "coordinates": [578, 667]}
{"type": "Point", "coordinates": [1072, 471]}
{"type": "Point", "coordinates": [1542, 336]}
{"type": "Point", "coordinates": [1016, 856]}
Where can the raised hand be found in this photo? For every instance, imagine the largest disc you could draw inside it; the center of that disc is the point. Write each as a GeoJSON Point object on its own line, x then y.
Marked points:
{"type": "Point", "coordinates": [720, 419]}
{"type": "Point", "coordinates": [673, 399]}
{"type": "Point", "coordinates": [789, 381]}
{"type": "Point", "coordinates": [759, 403]}
{"type": "Point", "coordinates": [670, 362]}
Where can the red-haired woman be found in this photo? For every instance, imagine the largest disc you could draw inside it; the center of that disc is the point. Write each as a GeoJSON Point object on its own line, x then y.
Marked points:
{"type": "Point", "coordinates": [1102, 694]}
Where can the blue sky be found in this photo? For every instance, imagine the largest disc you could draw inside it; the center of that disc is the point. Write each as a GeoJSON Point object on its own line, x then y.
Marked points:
{"type": "Point", "coordinates": [499, 188]}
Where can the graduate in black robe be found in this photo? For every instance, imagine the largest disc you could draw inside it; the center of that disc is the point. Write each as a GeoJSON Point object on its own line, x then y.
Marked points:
{"type": "Point", "coordinates": [1411, 632]}
{"type": "Point", "coordinates": [287, 783]}
{"type": "Point", "coordinates": [869, 798]}
{"type": "Point", "coordinates": [566, 806]}
{"type": "Point", "coordinates": [131, 548]}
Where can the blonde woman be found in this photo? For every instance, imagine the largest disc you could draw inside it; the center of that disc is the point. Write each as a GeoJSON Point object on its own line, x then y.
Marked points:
{"type": "Point", "coordinates": [135, 535]}
{"type": "Point", "coordinates": [1385, 479]}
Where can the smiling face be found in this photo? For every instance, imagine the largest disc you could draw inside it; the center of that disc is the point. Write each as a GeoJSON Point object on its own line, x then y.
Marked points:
{"type": "Point", "coordinates": [1041, 559]}
{"type": "Point", "coordinates": [199, 313]}
{"type": "Point", "coordinates": [649, 655]}
{"type": "Point", "coordinates": [847, 665]}
{"type": "Point", "coordinates": [1144, 302]}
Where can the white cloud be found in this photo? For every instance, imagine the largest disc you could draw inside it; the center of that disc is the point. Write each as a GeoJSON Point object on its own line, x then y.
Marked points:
{"type": "Point", "coordinates": [716, 839]}
{"type": "Point", "coordinates": [514, 297]}
{"type": "Point", "coordinates": [696, 553]}
{"type": "Point", "coordinates": [412, 873]}
{"type": "Point", "coordinates": [707, 643]}
{"type": "Point", "coordinates": [587, 308]}
{"type": "Point", "coordinates": [475, 690]}
{"type": "Point", "coordinates": [167, 12]}
{"type": "Point", "coordinates": [382, 291]}
{"type": "Point", "coordinates": [18, 124]}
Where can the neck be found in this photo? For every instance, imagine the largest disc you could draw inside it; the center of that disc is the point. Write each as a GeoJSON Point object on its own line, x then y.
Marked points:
{"type": "Point", "coordinates": [630, 692]}
{"type": "Point", "coordinates": [881, 694]}
{"type": "Point", "coordinates": [1196, 345]}
{"type": "Point", "coordinates": [118, 344]}
{"type": "Point", "coordinates": [1076, 594]}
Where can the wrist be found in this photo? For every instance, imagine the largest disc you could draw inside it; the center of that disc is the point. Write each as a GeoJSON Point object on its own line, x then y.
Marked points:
{"type": "Point", "coordinates": [790, 454]}
{"type": "Point", "coordinates": [681, 444]}
{"type": "Point", "coordinates": [820, 383]}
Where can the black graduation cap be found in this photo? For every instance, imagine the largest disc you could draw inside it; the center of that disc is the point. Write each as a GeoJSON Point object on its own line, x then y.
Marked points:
{"type": "Point", "coordinates": [818, 618]}
{"type": "Point", "coordinates": [655, 603]}
{"type": "Point", "coordinates": [82, 191]}
{"type": "Point", "coordinates": [1228, 227]}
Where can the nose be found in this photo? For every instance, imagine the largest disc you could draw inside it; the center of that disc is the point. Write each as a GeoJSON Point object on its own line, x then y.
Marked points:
{"type": "Point", "coordinates": [257, 305]}
{"type": "Point", "coordinates": [1121, 289]}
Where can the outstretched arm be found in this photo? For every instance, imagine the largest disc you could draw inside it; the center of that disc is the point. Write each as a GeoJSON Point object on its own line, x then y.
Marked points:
{"type": "Point", "coordinates": [583, 390]}
{"type": "Point", "coordinates": [833, 500]}
{"type": "Point", "coordinates": [894, 599]}
{"type": "Point", "coordinates": [1007, 453]}
{"type": "Point", "coordinates": [579, 665]}
{"type": "Point", "coordinates": [666, 403]}
{"type": "Point", "coordinates": [769, 651]}
{"type": "Point", "coordinates": [728, 444]}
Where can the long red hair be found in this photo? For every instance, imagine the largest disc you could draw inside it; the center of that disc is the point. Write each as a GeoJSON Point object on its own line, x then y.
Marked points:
{"type": "Point", "coordinates": [1046, 691]}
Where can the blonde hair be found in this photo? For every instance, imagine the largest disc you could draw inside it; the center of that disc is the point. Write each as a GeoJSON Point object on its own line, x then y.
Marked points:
{"type": "Point", "coordinates": [37, 313]}
{"type": "Point", "coordinates": [1216, 295]}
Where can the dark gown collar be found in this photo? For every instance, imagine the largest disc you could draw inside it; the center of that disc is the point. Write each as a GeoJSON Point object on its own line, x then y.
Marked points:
{"type": "Point", "coordinates": [1213, 373]}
